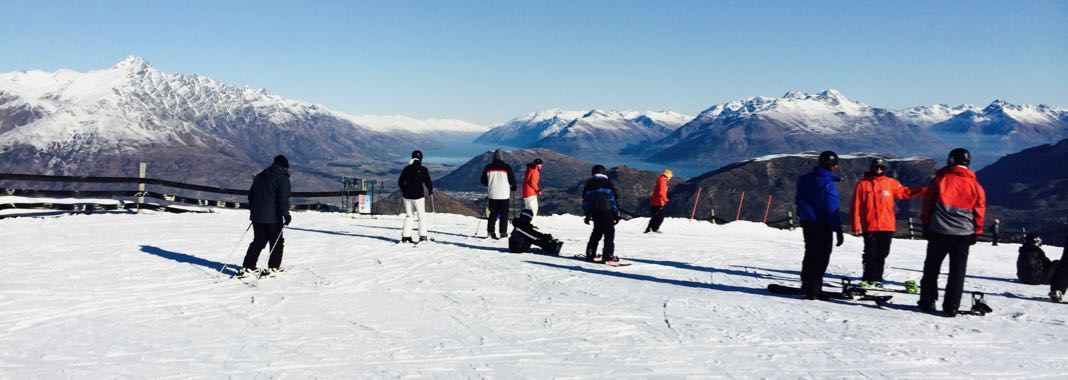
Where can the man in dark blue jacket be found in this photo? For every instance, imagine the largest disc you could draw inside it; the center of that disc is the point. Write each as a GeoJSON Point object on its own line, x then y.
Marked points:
{"type": "Point", "coordinates": [268, 203]}
{"type": "Point", "coordinates": [817, 207]}
{"type": "Point", "coordinates": [600, 203]}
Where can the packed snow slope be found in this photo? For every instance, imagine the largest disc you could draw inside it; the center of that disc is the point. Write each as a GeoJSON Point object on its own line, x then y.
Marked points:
{"type": "Point", "coordinates": [123, 295]}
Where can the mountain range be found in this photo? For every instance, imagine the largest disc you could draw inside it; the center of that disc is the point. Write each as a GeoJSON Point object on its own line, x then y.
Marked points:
{"type": "Point", "coordinates": [796, 122]}
{"type": "Point", "coordinates": [188, 127]}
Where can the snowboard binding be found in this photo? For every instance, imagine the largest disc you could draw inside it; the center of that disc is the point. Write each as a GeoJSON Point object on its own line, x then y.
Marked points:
{"type": "Point", "coordinates": [979, 306]}
{"type": "Point", "coordinates": [850, 291]}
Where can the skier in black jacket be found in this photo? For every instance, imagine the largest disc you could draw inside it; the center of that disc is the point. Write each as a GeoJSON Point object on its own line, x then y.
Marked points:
{"type": "Point", "coordinates": [499, 180]}
{"type": "Point", "coordinates": [524, 234]}
{"type": "Point", "coordinates": [600, 203]}
{"type": "Point", "coordinates": [412, 180]}
{"type": "Point", "coordinates": [268, 203]}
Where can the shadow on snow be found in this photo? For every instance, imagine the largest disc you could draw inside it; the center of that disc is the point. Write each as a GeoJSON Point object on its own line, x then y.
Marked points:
{"type": "Point", "coordinates": [231, 269]}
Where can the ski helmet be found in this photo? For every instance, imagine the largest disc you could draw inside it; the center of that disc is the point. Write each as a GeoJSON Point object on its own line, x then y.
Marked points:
{"type": "Point", "coordinates": [526, 214]}
{"type": "Point", "coordinates": [417, 154]}
{"type": "Point", "coordinates": [282, 161]}
{"type": "Point", "coordinates": [597, 169]}
{"type": "Point", "coordinates": [537, 161]}
{"type": "Point", "coordinates": [1032, 239]}
{"type": "Point", "coordinates": [668, 173]}
{"type": "Point", "coordinates": [878, 162]}
{"type": "Point", "coordinates": [828, 159]}
{"type": "Point", "coordinates": [960, 156]}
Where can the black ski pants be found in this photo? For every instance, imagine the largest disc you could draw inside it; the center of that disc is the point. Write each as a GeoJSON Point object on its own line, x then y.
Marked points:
{"type": "Point", "coordinates": [819, 240]}
{"type": "Point", "coordinates": [657, 219]}
{"type": "Point", "coordinates": [498, 210]}
{"type": "Point", "coordinates": [265, 234]}
{"type": "Point", "coordinates": [1060, 277]}
{"type": "Point", "coordinates": [938, 247]}
{"type": "Point", "coordinates": [604, 225]}
{"type": "Point", "coordinates": [876, 249]}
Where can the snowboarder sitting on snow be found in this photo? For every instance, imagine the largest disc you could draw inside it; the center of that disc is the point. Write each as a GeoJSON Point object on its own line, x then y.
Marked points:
{"type": "Point", "coordinates": [817, 207]}
{"type": "Point", "coordinates": [524, 234]}
{"type": "Point", "coordinates": [268, 204]}
{"type": "Point", "coordinates": [411, 182]}
{"type": "Point", "coordinates": [1032, 265]}
{"type": "Point", "coordinates": [600, 203]}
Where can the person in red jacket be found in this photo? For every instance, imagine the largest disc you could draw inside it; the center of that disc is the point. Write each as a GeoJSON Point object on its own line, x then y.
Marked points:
{"type": "Point", "coordinates": [657, 202]}
{"type": "Point", "coordinates": [953, 211]}
{"type": "Point", "coordinates": [531, 188]}
{"type": "Point", "coordinates": [873, 215]}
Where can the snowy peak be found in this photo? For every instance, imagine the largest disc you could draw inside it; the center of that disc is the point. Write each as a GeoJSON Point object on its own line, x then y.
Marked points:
{"type": "Point", "coordinates": [825, 112]}
{"type": "Point", "coordinates": [540, 129]}
{"type": "Point", "coordinates": [929, 115]}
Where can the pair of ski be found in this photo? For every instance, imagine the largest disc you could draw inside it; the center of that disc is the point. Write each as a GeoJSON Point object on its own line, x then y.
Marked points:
{"type": "Point", "coordinates": [598, 260]}
{"type": "Point", "coordinates": [847, 293]}
{"type": "Point", "coordinates": [252, 280]}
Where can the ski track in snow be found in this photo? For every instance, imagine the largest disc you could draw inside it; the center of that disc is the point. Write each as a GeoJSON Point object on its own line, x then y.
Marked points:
{"type": "Point", "coordinates": [121, 295]}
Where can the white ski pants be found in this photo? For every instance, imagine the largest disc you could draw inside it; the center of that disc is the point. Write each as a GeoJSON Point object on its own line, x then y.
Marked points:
{"type": "Point", "coordinates": [531, 203]}
{"type": "Point", "coordinates": [416, 207]}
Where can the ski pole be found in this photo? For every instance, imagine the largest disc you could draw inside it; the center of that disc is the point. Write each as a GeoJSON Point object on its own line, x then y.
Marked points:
{"type": "Point", "coordinates": [434, 210]}
{"type": "Point", "coordinates": [238, 244]}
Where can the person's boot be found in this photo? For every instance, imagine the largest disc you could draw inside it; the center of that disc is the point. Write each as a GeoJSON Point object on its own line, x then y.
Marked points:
{"type": "Point", "coordinates": [1056, 296]}
{"type": "Point", "coordinates": [247, 272]}
{"type": "Point", "coordinates": [407, 239]}
{"type": "Point", "coordinates": [493, 235]}
{"type": "Point", "coordinates": [422, 238]}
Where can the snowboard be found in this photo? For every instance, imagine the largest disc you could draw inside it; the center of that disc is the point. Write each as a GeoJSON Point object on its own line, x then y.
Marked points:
{"type": "Point", "coordinates": [883, 289]}
{"type": "Point", "coordinates": [854, 294]}
{"type": "Point", "coordinates": [617, 264]}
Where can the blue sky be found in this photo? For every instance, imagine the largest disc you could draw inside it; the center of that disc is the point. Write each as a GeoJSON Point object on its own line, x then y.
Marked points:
{"type": "Point", "coordinates": [488, 61]}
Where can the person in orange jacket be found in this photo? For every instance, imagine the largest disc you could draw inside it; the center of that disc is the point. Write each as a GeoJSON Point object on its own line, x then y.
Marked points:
{"type": "Point", "coordinates": [953, 211]}
{"type": "Point", "coordinates": [873, 215]}
{"type": "Point", "coordinates": [657, 202]}
{"type": "Point", "coordinates": [531, 188]}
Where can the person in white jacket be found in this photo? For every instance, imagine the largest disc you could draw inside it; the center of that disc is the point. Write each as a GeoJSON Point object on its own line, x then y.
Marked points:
{"type": "Point", "coordinates": [499, 180]}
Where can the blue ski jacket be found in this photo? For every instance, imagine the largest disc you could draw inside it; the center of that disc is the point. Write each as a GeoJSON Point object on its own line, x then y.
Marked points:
{"type": "Point", "coordinates": [817, 198]}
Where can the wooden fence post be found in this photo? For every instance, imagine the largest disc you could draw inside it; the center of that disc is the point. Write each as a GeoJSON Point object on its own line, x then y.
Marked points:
{"type": "Point", "coordinates": [767, 210]}
{"type": "Point", "coordinates": [740, 202]}
{"type": "Point", "coordinates": [790, 216]}
{"type": "Point", "coordinates": [142, 171]}
{"type": "Point", "coordinates": [713, 216]}
{"type": "Point", "coordinates": [696, 199]}
{"type": "Point", "coordinates": [911, 235]}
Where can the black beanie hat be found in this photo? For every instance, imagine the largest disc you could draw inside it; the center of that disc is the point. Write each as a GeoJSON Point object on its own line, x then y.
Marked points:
{"type": "Point", "coordinates": [281, 160]}
{"type": "Point", "coordinates": [597, 169]}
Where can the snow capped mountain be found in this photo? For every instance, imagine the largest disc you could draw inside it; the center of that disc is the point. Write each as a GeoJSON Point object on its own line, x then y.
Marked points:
{"type": "Point", "coordinates": [797, 121]}
{"type": "Point", "coordinates": [1002, 128]}
{"type": "Point", "coordinates": [70, 122]}
{"type": "Point", "coordinates": [523, 130]}
{"type": "Point", "coordinates": [929, 115]}
{"type": "Point", "coordinates": [593, 132]}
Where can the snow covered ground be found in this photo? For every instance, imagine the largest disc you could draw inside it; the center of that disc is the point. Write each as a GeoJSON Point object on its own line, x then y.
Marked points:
{"type": "Point", "coordinates": [121, 295]}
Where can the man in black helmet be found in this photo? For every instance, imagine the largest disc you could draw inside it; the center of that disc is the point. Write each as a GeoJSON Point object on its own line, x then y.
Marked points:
{"type": "Point", "coordinates": [953, 211]}
{"type": "Point", "coordinates": [268, 204]}
{"type": "Point", "coordinates": [817, 207]}
{"type": "Point", "coordinates": [600, 204]}
{"type": "Point", "coordinates": [412, 180]}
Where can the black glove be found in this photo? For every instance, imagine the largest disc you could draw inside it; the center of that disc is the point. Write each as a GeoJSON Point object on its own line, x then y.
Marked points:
{"type": "Point", "coordinates": [841, 238]}
{"type": "Point", "coordinates": [587, 220]}
{"type": "Point", "coordinates": [616, 220]}
{"type": "Point", "coordinates": [972, 239]}
{"type": "Point", "coordinates": [287, 219]}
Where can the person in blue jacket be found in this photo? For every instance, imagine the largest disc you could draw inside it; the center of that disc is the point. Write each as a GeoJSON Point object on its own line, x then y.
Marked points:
{"type": "Point", "coordinates": [817, 207]}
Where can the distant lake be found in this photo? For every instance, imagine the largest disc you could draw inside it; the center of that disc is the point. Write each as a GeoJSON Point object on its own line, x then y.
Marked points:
{"type": "Point", "coordinates": [459, 152]}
